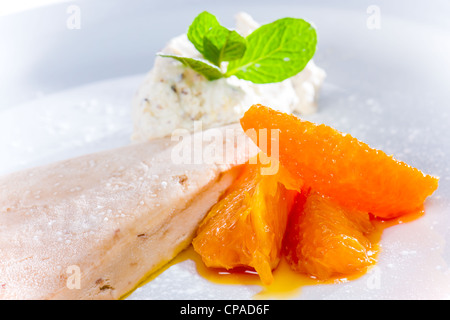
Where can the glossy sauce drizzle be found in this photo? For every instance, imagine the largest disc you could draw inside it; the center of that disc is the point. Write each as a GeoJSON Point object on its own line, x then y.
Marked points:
{"type": "Point", "coordinates": [287, 283]}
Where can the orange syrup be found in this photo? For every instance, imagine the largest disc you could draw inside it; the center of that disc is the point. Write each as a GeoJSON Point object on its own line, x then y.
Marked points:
{"type": "Point", "coordinates": [287, 283]}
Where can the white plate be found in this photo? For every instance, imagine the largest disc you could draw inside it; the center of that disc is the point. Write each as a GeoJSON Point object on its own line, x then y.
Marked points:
{"type": "Point", "coordinates": [66, 92]}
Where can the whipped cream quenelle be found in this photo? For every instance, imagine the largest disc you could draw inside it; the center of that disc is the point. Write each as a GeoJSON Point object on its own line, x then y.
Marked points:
{"type": "Point", "coordinates": [174, 97]}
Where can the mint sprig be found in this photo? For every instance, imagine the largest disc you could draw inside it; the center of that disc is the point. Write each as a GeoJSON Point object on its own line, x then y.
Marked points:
{"type": "Point", "coordinates": [203, 23]}
{"type": "Point", "coordinates": [276, 51]}
{"type": "Point", "coordinates": [272, 53]}
{"type": "Point", "coordinates": [209, 71]}
{"type": "Point", "coordinates": [221, 44]}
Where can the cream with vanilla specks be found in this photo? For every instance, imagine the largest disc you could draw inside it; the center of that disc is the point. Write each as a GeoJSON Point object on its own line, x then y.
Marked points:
{"type": "Point", "coordinates": [173, 96]}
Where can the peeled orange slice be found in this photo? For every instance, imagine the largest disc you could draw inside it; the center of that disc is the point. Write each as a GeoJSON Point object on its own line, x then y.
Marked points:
{"type": "Point", "coordinates": [341, 167]}
{"type": "Point", "coordinates": [246, 227]}
{"type": "Point", "coordinates": [324, 240]}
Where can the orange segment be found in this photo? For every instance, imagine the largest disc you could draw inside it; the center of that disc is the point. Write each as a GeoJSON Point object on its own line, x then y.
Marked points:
{"type": "Point", "coordinates": [342, 167]}
{"type": "Point", "coordinates": [323, 240]}
{"type": "Point", "coordinates": [246, 227]}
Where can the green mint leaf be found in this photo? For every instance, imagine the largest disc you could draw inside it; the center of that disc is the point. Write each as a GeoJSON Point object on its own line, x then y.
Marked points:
{"type": "Point", "coordinates": [209, 71]}
{"type": "Point", "coordinates": [204, 22]}
{"type": "Point", "coordinates": [276, 51]}
{"type": "Point", "coordinates": [221, 44]}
